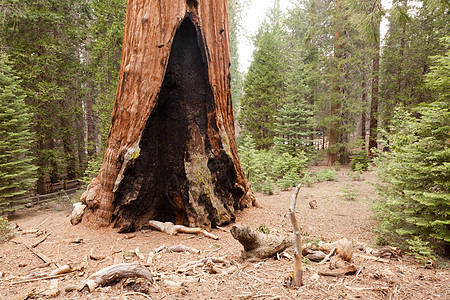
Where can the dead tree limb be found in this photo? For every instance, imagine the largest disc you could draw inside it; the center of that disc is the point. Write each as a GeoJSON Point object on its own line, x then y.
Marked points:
{"type": "Point", "coordinates": [114, 273]}
{"type": "Point", "coordinates": [297, 279]}
{"type": "Point", "coordinates": [257, 244]}
{"type": "Point", "coordinates": [40, 241]}
{"type": "Point", "coordinates": [170, 228]}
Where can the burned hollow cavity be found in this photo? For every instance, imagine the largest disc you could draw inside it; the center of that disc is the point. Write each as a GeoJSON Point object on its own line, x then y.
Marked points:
{"type": "Point", "coordinates": [175, 176]}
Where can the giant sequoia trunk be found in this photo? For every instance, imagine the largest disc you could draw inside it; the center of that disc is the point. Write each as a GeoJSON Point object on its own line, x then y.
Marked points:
{"type": "Point", "coordinates": [171, 153]}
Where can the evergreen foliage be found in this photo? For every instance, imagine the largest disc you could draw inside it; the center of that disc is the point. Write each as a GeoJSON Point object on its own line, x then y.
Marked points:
{"type": "Point", "coordinates": [43, 39]}
{"type": "Point", "coordinates": [263, 168]}
{"type": "Point", "coordinates": [17, 170]}
{"type": "Point", "coordinates": [416, 174]}
{"type": "Point", "coordinates": [263, 83]}
{"type": "Point", "coordinates": [105, 35]}
{"type": "Point", "coordinates": [235, 17]}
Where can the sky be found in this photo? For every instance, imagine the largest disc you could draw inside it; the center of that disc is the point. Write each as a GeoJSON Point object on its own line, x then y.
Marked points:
{"type": "Point", "coordinates": [253, 15]}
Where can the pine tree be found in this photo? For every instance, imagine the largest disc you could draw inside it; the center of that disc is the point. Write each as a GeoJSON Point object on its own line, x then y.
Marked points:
{"type": "Point", "coordinates": [411, 41]}
{"type": "Point", "coordinates": [234, 12]}
{"type": "Point", "coordinates": [17, 170]}
{"type": "Point", "coordinates": [294, 121]}
{"type": "Point", "coordinates": [103, 53]}
{"type": "Point", "coordinates": [263, 83]}
{"type": "Point", "coordinates": [294, 128]}
{"type": "Point", "coordinates": [44, 41]}
{"type": "Point", "coordinates": [415, 174]}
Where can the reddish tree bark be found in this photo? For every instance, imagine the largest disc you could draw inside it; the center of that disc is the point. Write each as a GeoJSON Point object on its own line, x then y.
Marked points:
{"type": "Point", "coordinates": [171, 153]}
{"type": "Point", "coordinates": [332, 152]}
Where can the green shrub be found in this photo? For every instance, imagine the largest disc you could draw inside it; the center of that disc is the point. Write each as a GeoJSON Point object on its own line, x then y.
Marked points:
{"type": "Point", "coordinates": [265, 167]}
{"type": "Point", "coordinates": [337, 165]}
{"type": "Point", "coordinates": [349, 193]}
{"type": "Point", "coordinates": [94, 165]}
{"type": "Point", "coordinates": [308, 180]}
{"type": "Point", "coordinates": [360, 162]}
{"type": "Point", "coordinates": [326, 175]}
{"type": "Point", "coordinates": [267, 187]}
{"type": "Point", "coordinates": [420, 249]}
{"type": "Point", "coordinates": [6, 232]}
{"type": "Point", "coordinates": [356, 175]}
{"type": "Point", "coordinates": [262, 228]}
{"type": "Point", "coordinates": [288, 181]}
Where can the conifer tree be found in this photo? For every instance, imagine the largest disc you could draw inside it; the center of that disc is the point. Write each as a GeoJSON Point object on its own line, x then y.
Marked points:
{"type": "Point", "coordinates": [264, 82]}
{"type": "Point", "coordinates": [415, 174]}
{"type": "Point", "coordinates": [44, 41]}
{"type": "Point", "coordinates": [234, 12]}
{"type": "Point", "coordinates": [17, 170]}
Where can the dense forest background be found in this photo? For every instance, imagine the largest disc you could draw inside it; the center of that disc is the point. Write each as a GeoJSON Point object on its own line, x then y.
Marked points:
{"type": "Point", "coordinates": [322, 83]}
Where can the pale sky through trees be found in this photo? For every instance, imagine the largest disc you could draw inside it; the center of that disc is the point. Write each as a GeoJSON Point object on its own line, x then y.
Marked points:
{"type": "Point", "coordinates": [254, 12]}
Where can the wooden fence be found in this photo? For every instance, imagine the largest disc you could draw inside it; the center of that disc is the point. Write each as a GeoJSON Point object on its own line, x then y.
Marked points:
{"type": "Point", "coordinates": [60, 189]}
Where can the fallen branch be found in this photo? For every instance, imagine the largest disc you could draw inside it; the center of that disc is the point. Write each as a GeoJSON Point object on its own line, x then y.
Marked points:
{"type": "Point", "coordinates": [61, 270]}
{"type": "Point", "coordinates": [379, 288]}
{"type": "Point", "coordinates": [114, 273]}
{"type": "Point", "coordinates": [40, 241]}
{"type": "Point", "coordinates": [153, 253]}
{"type": "Point", "coordinates": [327, 258]}
{"type": "Point", "coordinates": [297, 279]}
{"type": "Point", "coordinates": [137, 293]}
{"type": "Point", "coordinates": [209, 264]}
{"type": "Point", "coordinates": [43, 257]}
{"type": "Point", "coordinates": [257, 244]}
{"type": "Point", "coordinates": [373, 258]}
{"type": "Point", "coordinates": [347, 270]}
{"type": "Point", "coordinates": [37, 279]}
{"type": "Point", "coordinates": [170, 228]}
{"type": "Point", "coordinates": [183, 248]}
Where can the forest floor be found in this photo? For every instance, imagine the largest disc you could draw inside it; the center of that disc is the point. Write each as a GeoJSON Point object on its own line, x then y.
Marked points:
{"type": "Point", "coordinates": [336, 216]}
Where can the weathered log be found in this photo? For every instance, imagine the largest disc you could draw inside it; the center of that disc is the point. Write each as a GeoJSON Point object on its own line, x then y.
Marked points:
{"type": "Point", "coordinates": [114, 273]}
{"type": "Point", "coordinates": [171, 153]}
{"type": "Point", "coordinates": [346, 270]}
{"type": "Point", "coordinates": [172, 229]}
{"type": "Point", "coordinates": [257, 244]}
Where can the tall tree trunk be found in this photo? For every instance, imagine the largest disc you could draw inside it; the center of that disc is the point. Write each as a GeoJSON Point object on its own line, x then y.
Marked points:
{"type": "Point", "coordinates": [373, 123]}
{"type": "Point", "coordinates": [171, 153]}
{"type": "Point", "coordinates": [363, 105]}
{"type": "Point", "coordinates": [335, 105]}
{"type": "Point", "coordinates": [402, 59]}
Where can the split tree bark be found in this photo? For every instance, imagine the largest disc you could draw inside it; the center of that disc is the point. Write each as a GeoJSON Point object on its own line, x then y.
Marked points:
{"type": "Point", "coordinates": [171, 153]}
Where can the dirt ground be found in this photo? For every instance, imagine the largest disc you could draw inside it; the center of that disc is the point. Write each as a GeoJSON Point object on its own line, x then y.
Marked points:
{"type": "Point", "coordinates": [88, 250]}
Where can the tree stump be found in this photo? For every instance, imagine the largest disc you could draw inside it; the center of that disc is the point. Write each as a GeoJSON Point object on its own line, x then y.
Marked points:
{"type": "Point", "coordinates": [259, 245]}
{"type": "Point", "coordinates": [171, 153]}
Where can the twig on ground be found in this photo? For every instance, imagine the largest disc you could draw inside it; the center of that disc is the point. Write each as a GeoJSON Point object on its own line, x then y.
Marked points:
{"type": "Point", "coordinates": [37, 279]}
{"type": "Point", "coordinates": [327, 258]}
{"type": "Point", "coordinates": [137, 293]}
{"type": "Point", "coordinates": [42, 223]}
{"type": "Point", "coordinates": [40, 241]}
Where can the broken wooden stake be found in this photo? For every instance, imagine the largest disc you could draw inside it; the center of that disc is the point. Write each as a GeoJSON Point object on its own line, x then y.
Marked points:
{"type": "Point", "coordinates": [297, 279]}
